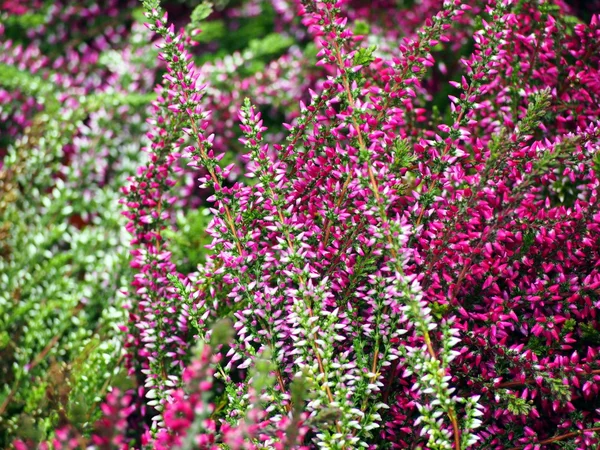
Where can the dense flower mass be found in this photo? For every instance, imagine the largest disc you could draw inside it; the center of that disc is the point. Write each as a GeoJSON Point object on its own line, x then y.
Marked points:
{"type": "Point", "coordinates": [354, 224]}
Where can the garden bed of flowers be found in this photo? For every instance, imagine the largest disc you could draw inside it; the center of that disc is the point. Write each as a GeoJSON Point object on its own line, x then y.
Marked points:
{"type": "Point", "coordinates": [299, 224]}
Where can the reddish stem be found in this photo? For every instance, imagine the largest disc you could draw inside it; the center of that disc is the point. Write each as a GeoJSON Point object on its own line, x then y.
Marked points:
{"type": "Point", "coordinates": [562, 437]}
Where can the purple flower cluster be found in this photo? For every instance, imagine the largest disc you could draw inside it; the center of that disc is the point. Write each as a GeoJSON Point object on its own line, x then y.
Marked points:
{"type": "Point", "coordinates": [400, 270]}
{"type": "Point", "coordinates": [84, 31]}
{"type": "Point", "coordinates": [415, 268]}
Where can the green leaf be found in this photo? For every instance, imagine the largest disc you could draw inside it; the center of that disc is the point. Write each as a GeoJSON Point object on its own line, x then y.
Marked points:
{"type": "Point", "coordinates": [271, 44]}
{"type": "Point", "coordinates": [201, 12]}
{"type": "Point", "coordinates": [298, 390]}
{"type": "Point", "coordinates": [364, 56]}
{"type": "Point", "coordinates": [361, 28]}
{"type": "Point", "coordinates": [222, 332]}
{"type": "Point", "coordinates": [210, 31]}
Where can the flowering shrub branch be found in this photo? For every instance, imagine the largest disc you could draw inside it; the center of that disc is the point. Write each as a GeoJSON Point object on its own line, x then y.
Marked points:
{"type": "Point", "coordinates": [268, 264]}
{"type": "Point", "coordinates": [370, 227]}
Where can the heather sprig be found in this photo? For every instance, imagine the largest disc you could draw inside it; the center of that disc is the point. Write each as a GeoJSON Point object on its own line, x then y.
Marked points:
{"type": "Point", "coordinates": [301, 319]}
{"type": "Point", "coordinates": [417, 313]}
{"type": "Point", "coordinates": [353, 225]}
{"type": "Point", "coordinates": [284, 224]}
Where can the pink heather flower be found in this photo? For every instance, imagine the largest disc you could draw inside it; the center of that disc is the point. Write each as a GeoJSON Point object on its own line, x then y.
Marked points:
{"type": "Point", "coordinates": [418, 243]}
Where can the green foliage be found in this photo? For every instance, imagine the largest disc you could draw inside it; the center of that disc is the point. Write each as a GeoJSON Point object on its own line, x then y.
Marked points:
{"type": "Point", "coordinates": [255, 37]}
{"type": "Point", "coordinates": [537, 345]}
{"type": "Point", "coordinates": [590, 333]}
{"type": "Point", "coordinates": [200, 12]}
{"type": "Point", "coordinates": [13, 78]}
{"type": "Point", "coordinates": [569, 325]}
{"type": "Point", "coordinates": [514, 404]}
{"type": "Point", "coordinates": [203, 30]}
{"type": "Point", "coordinates": [64, 256]}
{"type": "Point", "coordinates": [16, 26]}
{"type": "Point", "coordinates": [59, 287]}
{"type": "Point", "coordinates": [210, 31]}
{"type": "Point", "coordinates": [440, 310]}
{"type": "Point", "coordinates": [273, 44]}
{"type": "Point", "coordinates": [189, 240]}
{"type": "Point", "coordinates": [528, 240]}
{"type": "Point", "coordinates": [361, 28]}
{"type": "Point", "coordinates": [43, 286]}
{"type": "Point", "coordinates": [365, 56]}
{"type": "Point", "coordinates": [560, 390]}
{"type": "Point", "coordinates": [403, 155]}
{"type": "Point", "coordinates": [261, 373]}
{"type": "Point", "coordinates": [596, 161]}
{"type": "Point", "coordinates": [222, 332]}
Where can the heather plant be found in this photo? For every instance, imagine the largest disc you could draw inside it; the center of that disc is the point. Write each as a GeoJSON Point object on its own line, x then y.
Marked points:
{"type": "Point", "coordinates": [401, 247]}
{"type": "Point", "coordinates": [74, 102]}
{"type": "Point", "coordinates": [64, 254]}
{"type": "Point", "coordinates": [353, 257]}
